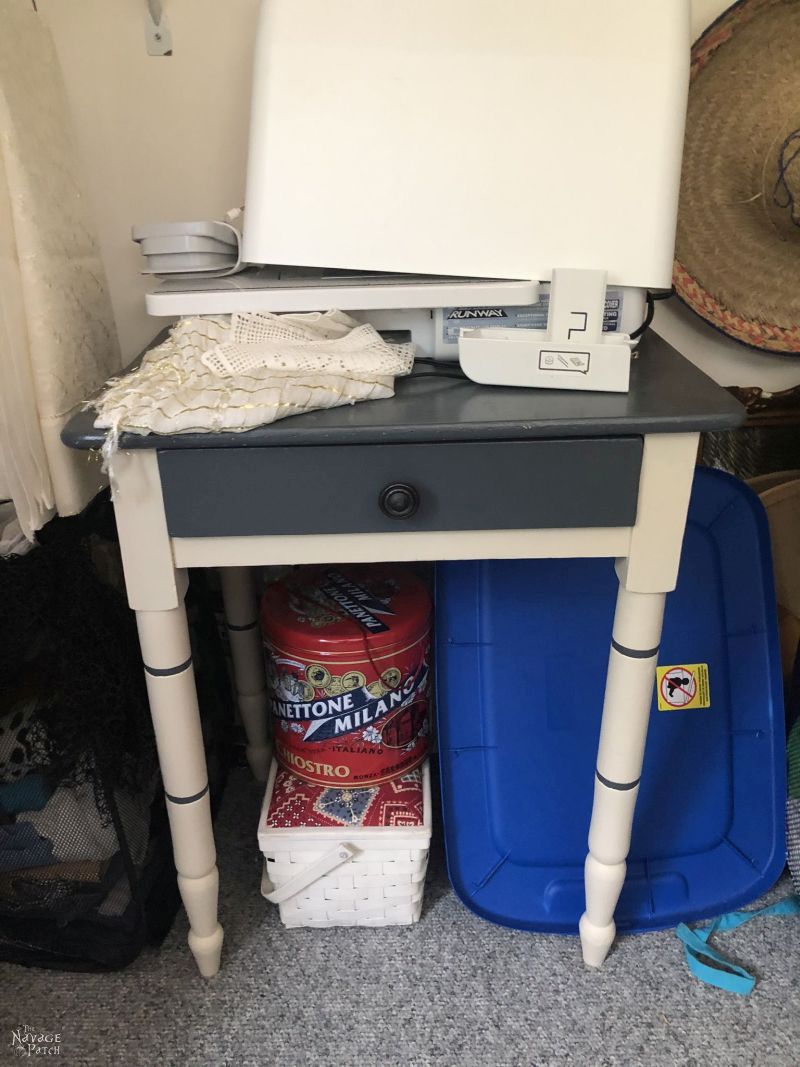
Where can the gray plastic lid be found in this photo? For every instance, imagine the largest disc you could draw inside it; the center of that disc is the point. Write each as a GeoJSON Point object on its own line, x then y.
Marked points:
{"type": "Point", "coordinates": [218, 230]}
{"type": "Point", "coordinates": [157, 246]}
{"type": "Point", "coordinates": [188, 261]}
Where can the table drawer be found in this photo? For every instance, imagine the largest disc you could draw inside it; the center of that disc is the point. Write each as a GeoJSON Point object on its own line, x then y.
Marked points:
{"type": "Point", "coordinates": [490, 485]}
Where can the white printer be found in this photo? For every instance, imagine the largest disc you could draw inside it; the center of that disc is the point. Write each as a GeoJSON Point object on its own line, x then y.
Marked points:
{"type": "Point", "coordinates": [500, 178]}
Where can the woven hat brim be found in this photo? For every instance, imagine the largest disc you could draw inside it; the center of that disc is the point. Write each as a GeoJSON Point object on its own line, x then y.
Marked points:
{"type": "Point", "coordinates": [734, 266]}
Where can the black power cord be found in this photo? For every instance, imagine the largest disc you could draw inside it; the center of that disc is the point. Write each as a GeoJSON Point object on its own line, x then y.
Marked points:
{"type": "Point", "coordinates": [662, 294]}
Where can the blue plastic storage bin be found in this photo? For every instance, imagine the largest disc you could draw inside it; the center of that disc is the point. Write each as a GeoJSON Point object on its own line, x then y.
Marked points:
{"type": "Point", "coordinates": [522, 651]}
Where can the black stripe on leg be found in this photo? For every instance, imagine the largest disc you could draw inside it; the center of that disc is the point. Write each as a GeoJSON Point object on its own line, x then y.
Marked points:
{"type": "Point", "coordinates": [166, 672]}
{"type": "Point", "coordinates": [623, 787]}
{"type": "Point", "coordinates": [187, 800]}
{"type": "Point", "coordinates": [241, 629]}
{"type": "Point", "coordinates": [634, 653]}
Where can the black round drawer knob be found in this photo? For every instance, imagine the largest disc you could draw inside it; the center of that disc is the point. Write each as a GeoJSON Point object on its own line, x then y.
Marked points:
{"type": "Point", "coordinates": [399, 501]}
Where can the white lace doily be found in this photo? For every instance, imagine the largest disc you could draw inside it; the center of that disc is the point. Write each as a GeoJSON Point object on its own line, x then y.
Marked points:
{"type": "Point", "coordinates": [331, 343]}
{"type": "Point", "coordinates": [216, 373]}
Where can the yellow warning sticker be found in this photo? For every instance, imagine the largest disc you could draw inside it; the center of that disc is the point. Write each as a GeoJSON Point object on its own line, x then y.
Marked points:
{"type": "Point", "coordinates": [683, 687]}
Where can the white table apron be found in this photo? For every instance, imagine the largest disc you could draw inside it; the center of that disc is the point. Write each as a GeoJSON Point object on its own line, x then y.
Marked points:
{"type": "Point", "coordinates": [647, 555]}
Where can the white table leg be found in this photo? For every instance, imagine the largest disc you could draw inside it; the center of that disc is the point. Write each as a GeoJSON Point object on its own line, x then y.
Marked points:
{"type": "Point", "coordinates": [244, 635]}
{"type": "Point", "coordinates": [156, 592]}
{"type": "Point", "coordinates": [649, 571]}
{"type": "Point", "coordinates": [164, 638]}
{"type": "Point", "coordinates": [626, 711]}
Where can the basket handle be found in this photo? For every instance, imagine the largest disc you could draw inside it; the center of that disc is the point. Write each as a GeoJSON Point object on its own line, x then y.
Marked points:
{"type": "Point", "coordinates": [328, 862]}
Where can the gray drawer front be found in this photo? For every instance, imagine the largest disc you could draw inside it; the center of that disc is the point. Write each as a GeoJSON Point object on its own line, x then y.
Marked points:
{"type": "Point", "coordinates": [490, 485]}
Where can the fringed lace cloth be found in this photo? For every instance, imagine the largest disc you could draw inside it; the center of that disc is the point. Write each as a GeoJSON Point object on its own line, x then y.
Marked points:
{"type": "Point", "coordinates": [234, 373]}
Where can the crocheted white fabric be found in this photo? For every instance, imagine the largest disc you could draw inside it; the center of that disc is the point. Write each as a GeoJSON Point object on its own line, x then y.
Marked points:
{"type": "Point", "coordinates": [220, 373]}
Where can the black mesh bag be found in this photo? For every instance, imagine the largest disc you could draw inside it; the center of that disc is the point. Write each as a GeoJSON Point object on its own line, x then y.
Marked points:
{"type": "Point", "coordinates": [86, 871]}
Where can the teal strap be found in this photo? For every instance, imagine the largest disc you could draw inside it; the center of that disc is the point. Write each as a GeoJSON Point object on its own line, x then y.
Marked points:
{"type": "Point", "coordinates": [720, 972]}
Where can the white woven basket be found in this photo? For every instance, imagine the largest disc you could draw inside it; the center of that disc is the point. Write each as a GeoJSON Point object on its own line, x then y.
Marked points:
{"type": "Point", "coordinates": [331, 876]}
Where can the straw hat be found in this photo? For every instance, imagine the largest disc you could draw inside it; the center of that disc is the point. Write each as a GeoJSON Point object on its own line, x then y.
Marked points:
{"type": "Point", "coordinates": [738, 244]}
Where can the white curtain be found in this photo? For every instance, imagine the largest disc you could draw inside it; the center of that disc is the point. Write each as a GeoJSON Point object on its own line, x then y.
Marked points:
{"type": "Point", "coordinates": [57, 337]}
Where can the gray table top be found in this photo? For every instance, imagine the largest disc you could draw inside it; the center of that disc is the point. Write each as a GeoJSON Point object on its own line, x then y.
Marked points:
{"type": "Point", "coordinates": [668, 394]}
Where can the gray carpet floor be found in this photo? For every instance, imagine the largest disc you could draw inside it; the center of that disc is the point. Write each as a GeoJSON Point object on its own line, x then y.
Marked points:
{"type": "Point", "coordinates": [452, 991]}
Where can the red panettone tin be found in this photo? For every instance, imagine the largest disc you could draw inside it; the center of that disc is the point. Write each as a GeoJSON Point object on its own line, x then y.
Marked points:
{"type": "Point", "coordinates": [349, 672]}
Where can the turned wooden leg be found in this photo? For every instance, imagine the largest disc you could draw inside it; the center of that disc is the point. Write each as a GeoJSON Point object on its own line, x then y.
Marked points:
{"type": "Point", "coordinates": [156, 590]}
{"type": "Point", "coordinates": [164, 638]}
{"type": "Point", "coordinates": [626, 711]}
{"type": "Point", "coordinates": [244, 634]}
{"type": "Point", "coordinates": [648, 572]}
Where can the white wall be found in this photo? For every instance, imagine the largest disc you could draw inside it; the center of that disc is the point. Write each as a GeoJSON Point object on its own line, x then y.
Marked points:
{"type": "Point", "coordinates": [166, 138]}
{"type": "Point", "coordinates": [161, 138]}
{"type": "Point", "coordinates": [705, 11]}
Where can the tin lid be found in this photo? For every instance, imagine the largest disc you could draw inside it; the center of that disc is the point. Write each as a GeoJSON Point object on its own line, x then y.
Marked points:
{"type": "Point", "coordinates": [338, 609]}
